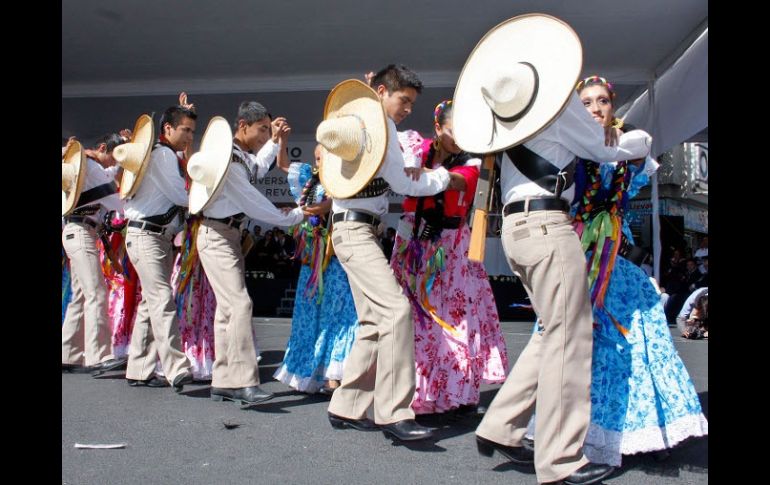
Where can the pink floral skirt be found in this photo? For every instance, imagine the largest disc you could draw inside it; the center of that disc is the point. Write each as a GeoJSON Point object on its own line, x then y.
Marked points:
{"type": "Point", "coordinates": [196, 309]}
{"type": "Point", "coordinates": [451, 366]}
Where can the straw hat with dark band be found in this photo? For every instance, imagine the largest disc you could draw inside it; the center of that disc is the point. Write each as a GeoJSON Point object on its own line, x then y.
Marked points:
{"type": "Point", "coordinates": [516, 81]}
{"type": "Point", "coordinates": [135, 155]}
{"type": "Point", "coordinates": [73, 176]}
{"type": "Point", "coordinates": [354, 136]}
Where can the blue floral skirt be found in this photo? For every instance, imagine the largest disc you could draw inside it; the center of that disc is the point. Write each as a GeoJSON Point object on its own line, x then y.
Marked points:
{"type": "Point", "coordinates": [322, 333]}
{"type": "Point", "coordinates": [642, 398]}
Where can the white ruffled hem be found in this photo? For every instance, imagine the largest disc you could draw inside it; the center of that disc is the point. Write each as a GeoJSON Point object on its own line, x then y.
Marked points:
{"type": "Point", "coordinates": [312, 383]}
{"type": "Point", "coordinates": [607, 446]}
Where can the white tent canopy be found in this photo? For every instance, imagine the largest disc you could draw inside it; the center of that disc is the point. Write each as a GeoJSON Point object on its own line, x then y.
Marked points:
{"type": "Point", "coordinates": [676, 106]}
{"type": "Point", "coordinates": [135, 57]}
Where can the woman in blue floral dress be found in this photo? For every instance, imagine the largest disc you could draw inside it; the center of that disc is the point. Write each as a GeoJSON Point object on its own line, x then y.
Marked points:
{"type": "Point", "coordinates": [642, 398]}
{"type": "Point", "coordinates": [324, 322]}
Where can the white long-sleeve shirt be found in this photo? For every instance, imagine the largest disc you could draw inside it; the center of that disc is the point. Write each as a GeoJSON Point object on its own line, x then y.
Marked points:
{"type": "Point", "coordinates": [392, 170]}
{"type": "Point", "coordinates": [238, 195]}
{"type": "Point", "coordinates": [162, 186]}
{"type": "Point", "coordinates": [574, 132]}
{"type": "Point", "coordinates": [97, 175]}
{"type": "Point", "coordinates": [259, 164]}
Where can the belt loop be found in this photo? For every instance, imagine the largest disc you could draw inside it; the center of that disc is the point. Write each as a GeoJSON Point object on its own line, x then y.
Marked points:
{"type": "Point", "coordinates": [526, 206]}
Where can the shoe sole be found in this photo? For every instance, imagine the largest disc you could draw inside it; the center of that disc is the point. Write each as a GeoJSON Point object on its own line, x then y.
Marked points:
{"type": "Point", "coordinates": [593, 480]}
{"type": "Point", "coordinates": [220, 398]}
{"type": "Point", "coordinates": [342, 424]}
{"type": "Point", "coordinates": [144, 384]}
{"type": "Point", "coordinates": [488, 449]}
{"type": "Point", "coordinates": [392, 435]}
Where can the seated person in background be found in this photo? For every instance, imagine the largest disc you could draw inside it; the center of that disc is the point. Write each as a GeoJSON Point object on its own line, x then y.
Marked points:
{"type": "Point", "coordinates": [697, 323]}
{"type": "Point", "coordinates": [687, 307]}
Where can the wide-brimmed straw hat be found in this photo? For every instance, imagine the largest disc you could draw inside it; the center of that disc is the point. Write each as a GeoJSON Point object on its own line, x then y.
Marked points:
{"type": "Point", "coordinates": [208, 167]}
{"type": "Point", "coordinates": [516, 81]}
{"type": "Point", "coordinates": [73, 176]}
{"type": "Point", "coordinates": [354, 137]}
{"type": "Point", "coordinates": [135, 155]}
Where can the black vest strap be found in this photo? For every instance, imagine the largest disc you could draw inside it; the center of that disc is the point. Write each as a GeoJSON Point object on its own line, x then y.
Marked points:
{"type": "Point", "coordinates": [541, 171]}
{"type": "Point", "coordinates": [163, 219]}
{"type": "Point", "coordinates": [97, 193]}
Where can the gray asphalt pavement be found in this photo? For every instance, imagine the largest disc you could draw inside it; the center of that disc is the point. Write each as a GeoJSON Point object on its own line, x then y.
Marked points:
{"type": "Point", "coordinates": [182, 439]}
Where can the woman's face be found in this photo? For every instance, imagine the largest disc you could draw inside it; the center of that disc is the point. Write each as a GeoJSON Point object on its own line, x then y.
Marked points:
{"type": "Point", "coordinates": [598, 102]}
{"type": "Point", "coordinates": [446, 138]}
{"type": "Point", "coordinates": [317, 155]}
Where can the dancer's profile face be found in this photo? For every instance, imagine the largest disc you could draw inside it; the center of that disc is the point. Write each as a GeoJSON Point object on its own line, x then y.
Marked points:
{"type": "Point", "coordinates": [598, 102]}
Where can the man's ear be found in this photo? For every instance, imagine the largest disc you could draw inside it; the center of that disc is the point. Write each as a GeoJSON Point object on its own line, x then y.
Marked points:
{"type": "Point", "coordinates": [381, 90]}
{"type": "Point", "coordinates": [102, 148]}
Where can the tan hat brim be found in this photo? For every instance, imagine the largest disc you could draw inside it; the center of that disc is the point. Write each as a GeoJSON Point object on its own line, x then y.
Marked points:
{"type": "Point", "coordinates": [218, 141]}
{"type": "Point", "coordinates": [547, 43]}
{"type": "Point", "coordinates": [143, 133]}
{"type": "Point", "coordinates": [341, 178]}
{"type": "Point", "coordinates": [76, 156]}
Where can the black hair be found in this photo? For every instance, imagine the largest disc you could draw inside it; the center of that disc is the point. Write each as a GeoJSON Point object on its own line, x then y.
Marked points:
{"type": "Point", "coordinates": [397, 77]}
{"type": "Point", "coordinates": [174, 116]}
{"type": "Point", "coordinates": [251, 112]}
{"type": "Point", "coordinates": [111, 140]}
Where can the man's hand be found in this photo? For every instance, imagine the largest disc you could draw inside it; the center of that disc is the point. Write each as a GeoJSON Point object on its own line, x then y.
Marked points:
{"type": "Point", "coordinates": [456, 181]}
{"type": "Point", "coordinates": [611, 136]}
{"type": "Point", "coordinates": [183, 101]}
{"type": "Point", "coordinates": [368, 77]}
{"type": "Point", "coordinates": [413, 172]}
{"type": "Point", "coordinates": [277, 128]}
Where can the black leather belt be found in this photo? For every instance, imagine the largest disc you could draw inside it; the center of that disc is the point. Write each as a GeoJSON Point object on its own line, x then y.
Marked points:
{"type": "Point", "coordinates": [80, 220]}
{"type": "Point", "coordinates": [452, 222]}
{"type": "Point", "coordinates": [147, 226]}
{"type": "Point", "coordinates": [232, 221]}
{"type": "Point", "coordinates": [544, 204]}
{"type": "Point", "coordinates": [355, 216]}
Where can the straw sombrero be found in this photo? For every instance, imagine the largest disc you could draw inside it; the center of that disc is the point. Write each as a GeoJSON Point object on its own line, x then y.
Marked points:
{"type": "Point", "coordinates": [208, 167]}
{"type": "Point", "coordinates": [354, 136]}
{"type": "Point", "coordinates": [516, 81]}
{"type": "Point", "coordinates": [73, 177]}
{"type": "Point", "coordinates": [134, 156]}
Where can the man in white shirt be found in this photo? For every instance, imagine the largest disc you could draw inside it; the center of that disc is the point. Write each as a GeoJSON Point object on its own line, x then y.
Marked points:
{"type": "Point", "coordinates": [380, 367]}
{"type": "Point", "coordinates": [554, 369]}
{"type": "Point", "coordinates": [152, 213]}
{"type": "Point", "coordinates": [235, 370]}
{"type": "Point", "coordinates": [86, 333]}
{"type": "Point", "coordinates": [518, 98]}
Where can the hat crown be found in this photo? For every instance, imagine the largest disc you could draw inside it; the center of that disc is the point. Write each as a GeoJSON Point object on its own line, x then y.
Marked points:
{"type": "Point", "coordinates": [344, 136]}
{"type": "Point", "coordinates": [68, 176]}
{"type": "Point", "coordinates": [509, 89]}
{"type": "Point", "coordinates": [130, 156]}
{"type": "Point", "coordinates": [202, 169]}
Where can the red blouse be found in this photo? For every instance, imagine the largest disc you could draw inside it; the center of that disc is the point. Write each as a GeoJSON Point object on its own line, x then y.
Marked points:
{"type": "Point", "coordinates": [456, 203]}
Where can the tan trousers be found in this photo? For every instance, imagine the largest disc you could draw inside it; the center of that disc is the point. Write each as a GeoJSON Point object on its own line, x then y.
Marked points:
{"type": "Point", "coordinates": [380, 366]}
{"type": "Point", "coordinates": [219, 247]}
{"type": "Point", "coordinates": [91, 341]}
{"type": "Point", "coordinates": [552, 377]}
{"type": "Point", "coordinates": [156, 328]}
